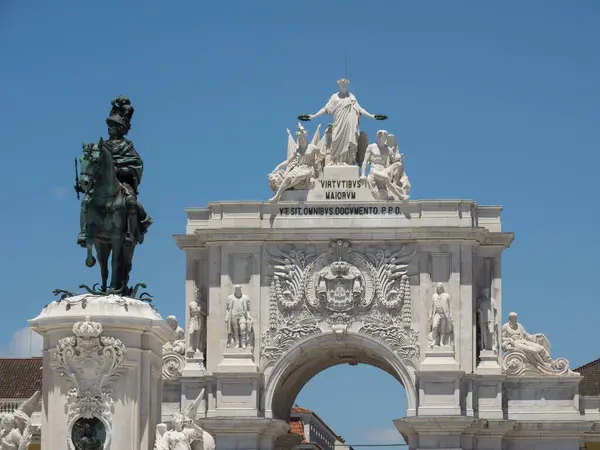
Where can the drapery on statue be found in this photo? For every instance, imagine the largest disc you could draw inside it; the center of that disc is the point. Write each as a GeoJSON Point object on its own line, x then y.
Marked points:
{"type": "Point", "coordinates": [302, 166]}
{"type": "Point", "coordinates": [112, 218]}
{"type": "Point", "coordinates": [196, 343]}
{"type": "Point", "coordinates": [346, 113]}
{"type": "Point", "coordinates": [16, 431]}
{"type": "Point", "coordinates": [177, 345]}
{"type": "Point", "coordinates": [528, 354]}
{"type": "Point", "coordinates": [184, 432]}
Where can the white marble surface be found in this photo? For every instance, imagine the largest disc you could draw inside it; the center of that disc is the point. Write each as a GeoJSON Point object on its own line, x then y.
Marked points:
{"type": "Point", "coordinates": [134, 402]}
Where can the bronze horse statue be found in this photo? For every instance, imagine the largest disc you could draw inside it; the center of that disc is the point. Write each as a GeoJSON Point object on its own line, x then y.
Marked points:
{"type": "Point", "coordinates": [104, 217]}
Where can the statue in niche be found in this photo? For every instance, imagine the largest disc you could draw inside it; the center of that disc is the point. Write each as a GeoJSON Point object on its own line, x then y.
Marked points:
{"type": "Point", "coordinates": [16, 430]}
{"type": "Point", "coordinates": [528, 353]}
{"type": "Point", "coordinates": [185, 431]}
{"type": "Point", "coordinates": [440, 319]}
{"type": "Point", "coordinates": [387, 168]}
{"type": "Point", "coordinates": [240, 325]}
{"type": "Point", "coordinates": [178, 344]}
{"type": "Point", "coordinates": [346, 113]}
{"type": "Point", "coordinates": [487, 321]}
{"type": "Point", "coordinates": [302, 165]}
{"type": "Point", "coordinates": [196, 328]}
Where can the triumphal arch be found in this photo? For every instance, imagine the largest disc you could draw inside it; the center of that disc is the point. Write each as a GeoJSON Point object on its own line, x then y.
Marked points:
{"type": "Point", "coordinates": [340, 266]}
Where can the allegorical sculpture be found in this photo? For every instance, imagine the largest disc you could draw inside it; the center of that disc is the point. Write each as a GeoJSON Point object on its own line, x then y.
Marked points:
{"type": "Point", "coordinates": [386, 168]}
{"type": "Point", "coordinates": [487, 321]}
{"type": "Point", "coordinates": [173, 356]}
{"type": "Point", "coordinates": [176, 345]}
{"type": "Point", "coordinates": [16, 430]}
{"type": "Point", "coordinates": [528, 354]}
{"type": "Point", "coordinates": [346, 112]}
{"type": "Point", "coordinates": [112, 218]}
{"type": "Point", "coordinates": [185, 431]}
{"type": "Point", "coordinates": [240, 325]}
{"type": "Point", "coordinates": [440, 319]}
{"type": "Point", "coordinates": [302, 166]}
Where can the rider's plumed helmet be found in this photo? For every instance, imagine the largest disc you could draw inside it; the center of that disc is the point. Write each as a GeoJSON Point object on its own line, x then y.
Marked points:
{"type": "Point", "coordinates": [121, 112]}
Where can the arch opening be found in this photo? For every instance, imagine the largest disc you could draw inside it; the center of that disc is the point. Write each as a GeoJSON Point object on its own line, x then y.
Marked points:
{"type": "Point", "coordinates": [318, 353]}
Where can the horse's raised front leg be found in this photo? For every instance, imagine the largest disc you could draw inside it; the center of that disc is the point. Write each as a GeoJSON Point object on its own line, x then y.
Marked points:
{"type": "Point", "coordinates": [90, 261]}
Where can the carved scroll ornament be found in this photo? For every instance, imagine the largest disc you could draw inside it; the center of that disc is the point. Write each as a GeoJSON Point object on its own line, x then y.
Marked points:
{"type": "Point", "coordinates": [338, 289]}
{"type": "Point", "coordinates": [90, 363]}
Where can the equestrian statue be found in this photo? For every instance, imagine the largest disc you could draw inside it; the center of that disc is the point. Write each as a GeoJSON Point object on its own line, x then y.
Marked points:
{"type": "Point", "coordinates": [113, 220]}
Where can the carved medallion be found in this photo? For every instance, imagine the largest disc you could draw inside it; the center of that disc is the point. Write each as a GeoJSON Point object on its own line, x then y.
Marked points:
{"type": "Point", "coordinates": [91, 363]}
{"type": "Point", "coordinates": [339, 289]}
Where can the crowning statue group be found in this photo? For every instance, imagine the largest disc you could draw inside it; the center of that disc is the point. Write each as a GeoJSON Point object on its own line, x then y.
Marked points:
{"type": "Point", "coordinates": [342, 145]}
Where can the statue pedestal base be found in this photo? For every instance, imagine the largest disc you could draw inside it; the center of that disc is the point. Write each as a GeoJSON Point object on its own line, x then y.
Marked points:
{"type": "Point", "coordinates": [237, 360]}
{"type": "Point", "coordinates": [439, 383]}
{"type": "Point", "coordinates": [556, 397]}
{"type": "Point", "coordinates": [439, 359]}
{"type": "Point", "coordinates": [341, 183]}
{"type": "Point", "coordinates": [254, 433]}
{"type": "Point", "coordinates": [102, 358]}
{"type": "Point", "coordinates": [194, 366]}
{"type": "Point", "coordinates": [488, 363]}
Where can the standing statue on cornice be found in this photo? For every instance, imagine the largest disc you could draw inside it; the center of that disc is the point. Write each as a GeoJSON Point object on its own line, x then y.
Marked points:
{"type": "Point", "coordinates": [112, 218]}
{"type": "Point", "coordinates": [346, 112]}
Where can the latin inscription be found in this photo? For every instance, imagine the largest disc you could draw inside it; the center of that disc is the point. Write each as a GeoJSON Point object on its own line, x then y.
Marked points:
{"type": "Point", "coordinates": [336, 189]}
{"type": "Point", "coordinates": [340, 211]}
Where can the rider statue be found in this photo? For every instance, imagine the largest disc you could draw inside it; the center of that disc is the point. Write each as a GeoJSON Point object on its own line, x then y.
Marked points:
{"type": "Point", "coordinates": [129, 168]}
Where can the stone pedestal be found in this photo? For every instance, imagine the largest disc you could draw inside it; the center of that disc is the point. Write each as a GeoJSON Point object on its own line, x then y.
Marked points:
{"type": "Point", "coordinates": [237, 360]}
{"type": "Point", "coordinates": [194, 366]}
{"type": "Point", "coordinates": [250, 432]}
{"type": "Point", "coordinates": [339, 183]}
{"type": "Point", "coordinates": [488, 363]}
{"type": "Point", "coordinates": [439, 383]}
{"type": "Point", "coordinates": [553, 398]}
{"type": "Point", "coordinates": [102, 366]}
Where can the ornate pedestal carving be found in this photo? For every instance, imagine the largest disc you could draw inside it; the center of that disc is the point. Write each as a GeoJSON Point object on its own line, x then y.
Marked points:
{"type": "Point", "coordinates": [102, 366]}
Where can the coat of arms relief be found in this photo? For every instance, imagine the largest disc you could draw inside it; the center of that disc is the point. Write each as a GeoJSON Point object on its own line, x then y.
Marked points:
{"type": "Point", "coordinates": [341, 290]}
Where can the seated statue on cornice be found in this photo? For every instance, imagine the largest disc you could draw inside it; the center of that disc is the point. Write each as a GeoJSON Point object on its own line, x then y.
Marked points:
{"type": "Point", "coordinates": [528, 354]}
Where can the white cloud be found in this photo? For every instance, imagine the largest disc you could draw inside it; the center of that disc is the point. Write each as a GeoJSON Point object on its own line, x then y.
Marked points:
{"type": "Point", "coordinates": [59, 192]}
{"type": "Point", "coordinates": [24, 343]}
{"type": "Point", "coordinates": [383, 436]}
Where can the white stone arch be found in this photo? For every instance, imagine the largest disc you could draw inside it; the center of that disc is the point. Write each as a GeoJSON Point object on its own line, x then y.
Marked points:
{"type": "Point", "coordinates": [313, 354]}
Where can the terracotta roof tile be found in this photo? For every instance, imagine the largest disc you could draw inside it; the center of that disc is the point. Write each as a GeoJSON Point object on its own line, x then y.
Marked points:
{"type": "Point", "coordinates": [297, 427]}
{"type": "Point", "coordinates": [297, 409]}
{"type": "Point", "coordinates": [20, 378]}
{"type": "Point", "coordinates": [590, 385]}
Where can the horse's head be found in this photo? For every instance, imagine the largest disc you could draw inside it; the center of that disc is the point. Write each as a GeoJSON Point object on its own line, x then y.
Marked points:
{"type": "Point", "coordinates": [91, 161]}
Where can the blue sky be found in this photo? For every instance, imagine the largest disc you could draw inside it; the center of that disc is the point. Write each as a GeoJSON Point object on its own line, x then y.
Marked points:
{"type": "Point", "coordinates": [492, 101]}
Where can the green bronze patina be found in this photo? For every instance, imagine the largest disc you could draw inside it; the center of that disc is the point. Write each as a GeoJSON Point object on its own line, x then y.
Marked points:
{"type": "Point", "coordinates": [113, 221]}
